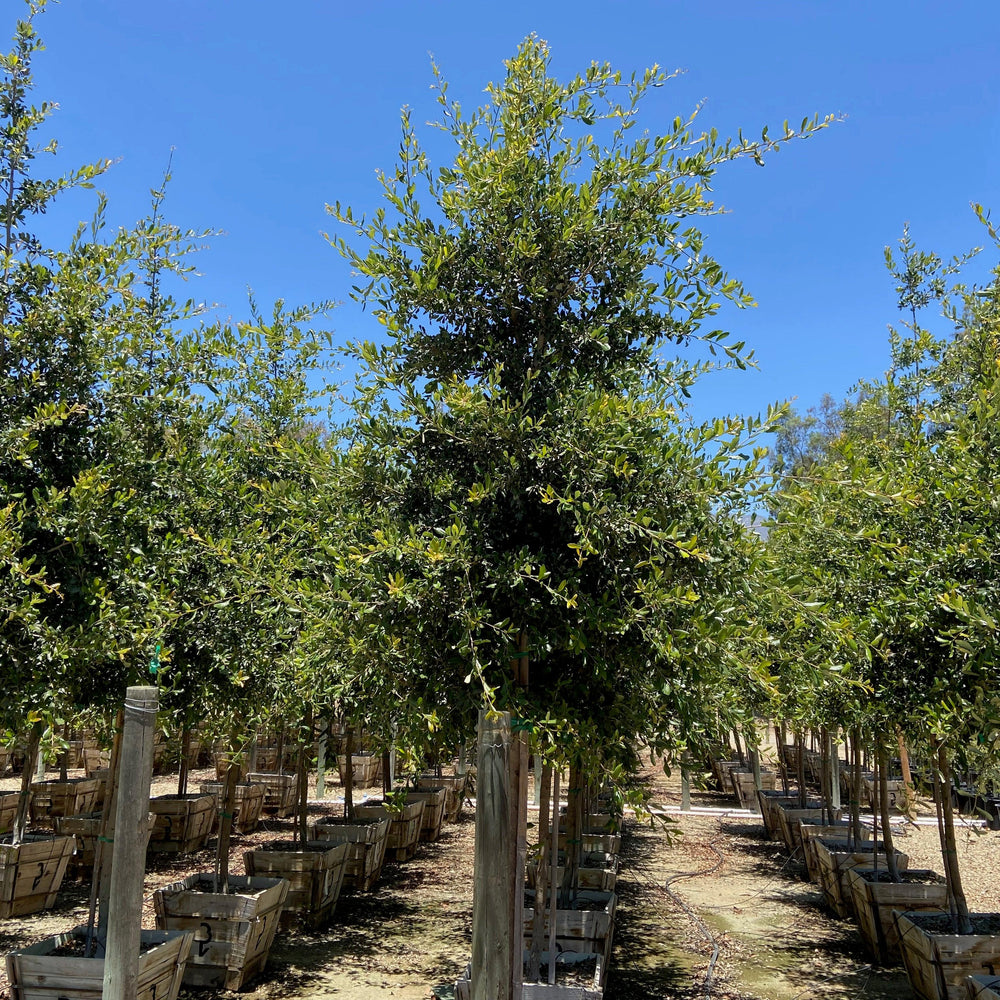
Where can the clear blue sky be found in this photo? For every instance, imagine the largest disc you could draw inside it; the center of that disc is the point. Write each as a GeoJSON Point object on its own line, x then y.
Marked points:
{"type": "Point", "coordinates": [276, 109]}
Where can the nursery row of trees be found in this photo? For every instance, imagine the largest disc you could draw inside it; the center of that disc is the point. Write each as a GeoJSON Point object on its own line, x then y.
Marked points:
{"type": "Point", "coordinates": [518, 480]}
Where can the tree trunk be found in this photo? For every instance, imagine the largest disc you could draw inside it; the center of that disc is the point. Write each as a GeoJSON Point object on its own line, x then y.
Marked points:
{"type": "Point", "coordinates": [883, 802]}
{"type": "Point", "coordinates": [100, 889]}
{"type": "Point", "coordinates": [909, 791]}
{"type": "Point", "coordinates": [949, 847]}
{"type": "Point", "coordinates": [574, 833]}
{"type": "Point", "coordinates": [226, 830]}
{"type": "Point", "coordinates": [349, 774]}
{"type": "Point", "coordinates": [182, 774]}
{"type": "Point", "coordinates": [800, 762]}
{"type": "Point", "coordinates": [30, 757]}
{"type": "Point", "coordinates": [856, 787]}
{"type": "Point", "coordinates": [303, 781]}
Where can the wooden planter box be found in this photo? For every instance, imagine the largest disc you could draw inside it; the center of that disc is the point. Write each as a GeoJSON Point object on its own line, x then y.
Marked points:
{"type": "Point", "coordinates": [367, 769]}
{"type": "Point", "coordinates": [606, 843]}
{"type": "Point", "coordinates": [223, 761]}
{"type": "Point", "coordinates": [249, 803]}
{"type": "Point", "coordinates": [404, 827]}
{"type": "Point", "coordinates": [31, 874]}
{"type": "Point", "coordinates": [434, 800]}
{"type": "Point", "coordinates": [743, 788]}
{"type": "Point", "coordinates": [95, 760]}
{"type": "Point", "coordinates": [233, 931]}
{"type": "Point", "coordinates": [597, 871]}
{"type": "Point", "coordinates": [836, 858]}
{"type": "Point", "coordinates": [720, 771]}
{"type": "Point", "coordinates": [570, 965]}
{"type": "Point", "coordinates": [62, 798]}
{"type": "Point", "coordinates": [102, 776]}
{"type": "Point", "coordinates": [788, 823]}
{"type": "Point", "coordinates": [36, 974]}
{"type": "Point", "coordinates": [8, 810]}
{"type": "Point", "coordinates": [455, 786]}
{"type": "Point", "coordinates": [897, 791]}
{"type": "Point", "coordinates": [366, 841]}
{"type": "Point", "coordinates": [4, 760]}
{"type": "Point", "coordinates": [314, 872]}
{"type": "Point", "coordinates": [769, 803]}
{"type": "Point", "coordinates": [809, 833]}
{"type": "Point", "coordinates": [281, 791]}
{"type": "Point", "coordinates": [938, 962]}
{"type": "Point", "coordinates": [983, 987]}
{"type": "Point", "coordinates": [588, 931]}
{"type": "Point", "coordinates": [267, 758]}
{"type": "Point", "coordinates": [182, 822]}
{"type": "Point", "coordinates": [874, 900]}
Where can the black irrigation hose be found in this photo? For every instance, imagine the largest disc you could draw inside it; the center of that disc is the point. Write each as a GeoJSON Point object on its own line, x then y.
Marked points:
{"type": "Point", "coordinates": [699, 923]}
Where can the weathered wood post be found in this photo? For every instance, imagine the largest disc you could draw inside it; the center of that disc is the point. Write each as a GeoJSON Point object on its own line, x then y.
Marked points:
{"type": "Point", "coordinates": [121, 964]}
{"type": "Point", "coordinates": [493, 874]}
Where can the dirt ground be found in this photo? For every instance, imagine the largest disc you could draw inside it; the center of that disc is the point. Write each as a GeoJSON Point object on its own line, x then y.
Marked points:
{"type": "Point", "coordinates": [699, 883]}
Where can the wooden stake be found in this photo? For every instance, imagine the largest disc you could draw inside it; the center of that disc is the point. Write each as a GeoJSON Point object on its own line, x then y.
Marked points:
{"type": "Point", "coordinates": [542, 876]}
{"type": "Point", "coordinates": [553, 911]}
{"type": "Point", "coordinates": [121, 963]}
{"type": "Point", "coordinates": [493, 889]}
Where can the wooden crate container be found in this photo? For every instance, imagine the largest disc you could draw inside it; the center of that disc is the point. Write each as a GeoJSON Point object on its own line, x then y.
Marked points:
{"type": "Point", "coordinates": [249, 803]}
{"type": "Point", "coordinates": [404, 827]}
{"type": "Point", "coordinates": [938, 964]}
{"type": "Point", "coordinates": [809, 833]}
{"type": "Point", "coordinates": [281, 791]}
{"type": "Point", "coordinates": [223, 760]}
{"type": "Point", "coordinates": [608, 843]}
{"type": "Point", "coordinates": [233, 931]}
{"type": "Point", "coordinates": [597, 871]}
{"type": "Point", "coordinates": [85, 830]}
{"type": "Point", "coordinates": [788, 823]}
{"type": "Point", "coordinates": [267, 758]}
{"type": "Point", "coordinates": [366, 841]}
{"type": "Point", "coordinates": [588, 929]}
{"type": "Point", "coordinates": [983, 987]}
{"type": "Point", "coordinates": [37, 974]}
{"type": "Point", "coordinates": [434, 800]}
{"type": "Point", "coordinates": [95, 760]}
{"type": "Point", "coordinates": [567, 964]}
{"type": "Point", "coordinates": [314, 872]}
{"type": "Point", "coordinates": [874, 900]}
{"type": "Point", "coordinates": [182, 822]}
{"type": "Point", "coordinates": [769, 803]}
{"type": "Point", "coordinates": [8, 810]}
{"type": "Point", "coordinates": [720, 771]}
{"type": "Point", "coordinates": [4, 760]}
{"type": "Point", "coordinates": [455, 785]}
{"type": "Point", "coordinates": [897, 793]}
{"type": "Point", "coordinates": [62, 798]}
{"type": "Point", "coordinates": [367, 769]}
{"type": "Point", "coordinates": [31, 874]}
{"type": "Point", "coordinates": [744, 788]}
{"type": "Point", "coordinates": [835, 859]}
